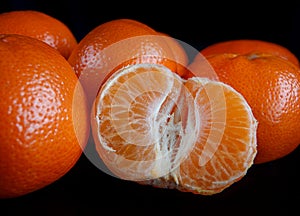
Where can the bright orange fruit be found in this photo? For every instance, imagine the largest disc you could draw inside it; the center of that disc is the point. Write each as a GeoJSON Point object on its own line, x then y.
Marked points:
{"type": "Point", "coordinates": [179, 52]}
{"type": "Point", "coordinates": [44, 117]}
{"type": "Point", "coordinates": [271, 86]}
{"type": "Point", "coordinates": [39, 25]}
{"type": "Point", "coordinates": [117, 43]}
{"type": "Point", "coordinates": [153, 127]}
{"type": "Point", "coordinates": [246, 46]}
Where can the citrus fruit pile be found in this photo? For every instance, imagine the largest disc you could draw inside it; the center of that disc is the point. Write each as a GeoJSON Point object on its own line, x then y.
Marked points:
{"type": "Point", "coordinates": [157, 117]}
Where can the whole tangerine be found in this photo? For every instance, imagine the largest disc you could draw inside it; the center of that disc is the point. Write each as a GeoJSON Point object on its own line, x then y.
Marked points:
{"type": "Point", "coordinates": [41, 26]}
{"type": "Point", "coordinates": [271, 85]}
{"type": "Point", "coordinates": [246, 46]}
{"type": "Point", "coordinates": [118, 43]}
{"type": "Point", "coordinates": [44, 125]}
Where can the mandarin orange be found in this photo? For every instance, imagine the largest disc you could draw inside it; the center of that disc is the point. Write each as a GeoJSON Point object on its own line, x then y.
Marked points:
{"type": "Point", "coordinates": [271, 85]}
{"type": "Point", "coordinates": [41, 26]}
{"type": "Point", "coordinates": [44, 125]}
{"type": "Point", "coordinates": [153, 127]}
{"type": "Point", "coordinates": [117, 43]}
{"type": "Point", "coordinates": [179, 52]}
{"type": "Point", "coordinates": [246, 46]}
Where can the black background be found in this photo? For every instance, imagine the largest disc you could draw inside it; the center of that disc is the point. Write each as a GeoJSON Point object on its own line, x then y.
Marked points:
{"type": "Point", "coordinates": [271, 188]}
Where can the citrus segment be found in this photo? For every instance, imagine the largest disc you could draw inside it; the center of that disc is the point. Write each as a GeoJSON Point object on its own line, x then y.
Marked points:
{"type": "Point", "coordinates": [230, 133]}
{"type": "Point", "coordinates": [140, 129]}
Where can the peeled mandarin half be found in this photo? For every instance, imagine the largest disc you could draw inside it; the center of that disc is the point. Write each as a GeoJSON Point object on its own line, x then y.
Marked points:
{"type": "Point", "coordinates": [144, 122]}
